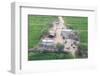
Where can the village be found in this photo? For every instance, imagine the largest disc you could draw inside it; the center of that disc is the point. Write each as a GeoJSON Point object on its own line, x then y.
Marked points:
{"type": "Point", "coordinates": [60, 36]}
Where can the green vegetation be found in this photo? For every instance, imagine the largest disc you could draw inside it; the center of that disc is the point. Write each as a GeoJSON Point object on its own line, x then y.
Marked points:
{"type": "Point", "coordinates": [37, 55]}
{"type": "Point", "coordinates": [77, 23]}
{"type": "Point", "coordinates": [83, 53]}
{"type": "Point", "coordinates": [83, 36]}
{"type": "Point", "coordinates": [60, 47]}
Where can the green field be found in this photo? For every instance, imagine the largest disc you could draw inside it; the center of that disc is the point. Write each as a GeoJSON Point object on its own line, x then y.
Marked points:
{"type": "Point", "coordinates": [38, 25]}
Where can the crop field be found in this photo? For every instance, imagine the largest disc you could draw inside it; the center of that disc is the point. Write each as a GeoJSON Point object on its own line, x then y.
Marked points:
{"type": "Point", "coordinates": [38, 25]}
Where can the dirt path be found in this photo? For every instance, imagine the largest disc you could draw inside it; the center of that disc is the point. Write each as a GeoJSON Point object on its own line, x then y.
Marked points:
{"type": "Point", "coordinates": [58, 28]}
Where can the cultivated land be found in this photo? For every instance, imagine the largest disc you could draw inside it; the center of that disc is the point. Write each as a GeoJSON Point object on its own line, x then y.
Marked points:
{"type": "Point", "coordinates": [39, 25]}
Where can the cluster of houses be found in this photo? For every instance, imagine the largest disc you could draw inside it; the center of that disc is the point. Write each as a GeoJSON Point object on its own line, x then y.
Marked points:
{"type": "Point", "coordinates": [59, 33]}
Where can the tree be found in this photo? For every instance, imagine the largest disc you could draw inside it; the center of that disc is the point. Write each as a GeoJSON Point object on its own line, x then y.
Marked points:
{"type": "Point", "coordinates": [60, 47]}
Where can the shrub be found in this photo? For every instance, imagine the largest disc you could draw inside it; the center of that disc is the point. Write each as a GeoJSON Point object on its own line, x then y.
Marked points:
{"type": "Point", "coordinates": [60, 47]}
{"type": "Point", "coordinates": [83, 51]}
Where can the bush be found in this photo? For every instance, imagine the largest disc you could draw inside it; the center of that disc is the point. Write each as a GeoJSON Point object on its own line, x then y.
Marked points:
{"type": "Point", "coordinates": [60, 47]}
{"type": "Point", "coordinates": [83, 51]}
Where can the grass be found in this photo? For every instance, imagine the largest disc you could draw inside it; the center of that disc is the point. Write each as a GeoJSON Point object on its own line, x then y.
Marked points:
{"type": "Point", "coordinates": [36, 55]}
{"type": "Point", "coordinates": [83, 36]}
{"type": "Point", "coordinates": [77, 23]}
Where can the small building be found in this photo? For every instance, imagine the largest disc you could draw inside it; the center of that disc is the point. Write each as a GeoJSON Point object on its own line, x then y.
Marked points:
{"type": "Point", "coordinates": [48, 44]}
{"type": "Point", "coordinates": [65, 33]}
{"type": "Point", "coordinates": [69, 34]}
